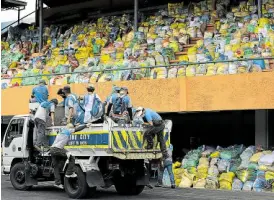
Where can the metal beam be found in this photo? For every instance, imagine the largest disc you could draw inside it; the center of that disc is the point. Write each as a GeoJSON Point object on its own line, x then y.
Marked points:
{"type": "Point", "coordinates": [98, 14]}
{"type": "Point", "coordinates": [18, 19]}
{"type": "Point", "coordinates": [259, 8]}
{"type": "Point", "coordinates": [41, 21]}
{"type": "Point", "coordinates": [213, 5]}
{"type": "Point", "coordinates": [136, 15]}
{"type": "Point", "coordinates": [36, 13]}
{"type": "Point", "coordinates": [261, 128]}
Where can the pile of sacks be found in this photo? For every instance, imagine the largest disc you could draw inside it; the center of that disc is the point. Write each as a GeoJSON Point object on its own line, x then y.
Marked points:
{"type": "Point", "coordinates": [178, 172]}
{"type": "Point", "coordinates": [110, 43]}
{"type": "Point", "coordinates": [232, 168]}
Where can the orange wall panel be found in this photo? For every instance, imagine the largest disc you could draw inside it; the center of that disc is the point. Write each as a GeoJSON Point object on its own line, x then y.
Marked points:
{"type": "Point", "coordinates": [231, 92]}
{"type": "Point", "coordinates": [15, 101]}
{"type": "Point", "coordinates": [223, 92]}
{"type": "Point", "coordinates": [161, 95]}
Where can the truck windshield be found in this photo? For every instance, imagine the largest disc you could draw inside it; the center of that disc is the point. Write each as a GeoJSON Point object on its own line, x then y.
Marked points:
{"type": "Point", "coordinates": [14, 130]}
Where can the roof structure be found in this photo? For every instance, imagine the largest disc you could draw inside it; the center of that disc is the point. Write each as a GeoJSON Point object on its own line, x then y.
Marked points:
{"type": "Point", "coordinates": [13, 5]}
{"type": "Point", "coordinates": [67, 11]}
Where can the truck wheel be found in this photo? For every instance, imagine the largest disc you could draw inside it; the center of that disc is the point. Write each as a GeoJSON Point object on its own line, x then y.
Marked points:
{"type": "Point", "coordinates": [17, 177]}
{"type": "Point", "coordinates": [77, 187]}
{"type": "Point", "coordinates": [127, 186]}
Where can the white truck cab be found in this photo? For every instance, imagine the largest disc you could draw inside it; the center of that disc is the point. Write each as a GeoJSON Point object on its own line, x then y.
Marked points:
{"type": "Point", "coordinates": [105, 154]}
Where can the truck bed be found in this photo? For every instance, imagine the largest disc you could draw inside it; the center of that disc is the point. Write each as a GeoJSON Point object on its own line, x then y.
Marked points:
{"type": "Point", "coordinates": [110, 139]}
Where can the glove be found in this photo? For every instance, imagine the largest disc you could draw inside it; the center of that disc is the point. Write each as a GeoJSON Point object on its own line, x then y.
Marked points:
{"type": "Point", "coordinates": [68, 120]}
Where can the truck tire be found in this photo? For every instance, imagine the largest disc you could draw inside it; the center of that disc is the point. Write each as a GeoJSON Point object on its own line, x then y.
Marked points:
{"type": "Point", "coordinates": [127, 186]}
{"type": "Point", "coordinates": [17, 177]}
{"type": "Point", "coordinates": [76, 188]}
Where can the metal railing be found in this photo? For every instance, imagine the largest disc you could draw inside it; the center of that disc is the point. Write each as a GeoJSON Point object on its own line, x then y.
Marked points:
{"type": "Point", "coordinates": [16, 22]}
{"type": "Point", "coordinates": [148, 68]}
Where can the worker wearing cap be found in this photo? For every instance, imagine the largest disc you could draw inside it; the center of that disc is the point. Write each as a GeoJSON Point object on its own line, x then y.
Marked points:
{"type": "Point", "coordinates": [45, 109]}
{"type": "Point", "coordinates": [71, 105]}
{"type": "Point", "coordinates": [89, 104]}
{"type": "Point", "coordinates": [120, 107]}
{"type": "Point", "coordinates": [40, 92]}
{"type": "Point", "coordinates": [59, 154]}
{"type": "Point", "coordinates": [137, 120]}
{"type": "Point", "coordinates": [156, 127]}
{"type": "Point", "coordinates": [61, 93]}
{"type": "Point", "coordinates": [115, 93]}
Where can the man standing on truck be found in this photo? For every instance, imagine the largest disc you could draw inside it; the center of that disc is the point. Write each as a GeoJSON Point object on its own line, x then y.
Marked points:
{"type": "Point", "coordinates": [92, 106]}
{"type": "Point", "coordinates": [45, 109]}
{"type": "Point", "coordinates": [40, 92]}
{"type": "Point", "coordinates": [61, 93]}
{"type": "Point", "coordinates": [120, 107]}
{"type": "Point", "coordinates": [59, 154]}
{"type": "Point", "coordinates": [156, 126]}
{"type": "Point", "coordinates": [114, 93]}
{"type": "Point", "coordinates": [71, 105]}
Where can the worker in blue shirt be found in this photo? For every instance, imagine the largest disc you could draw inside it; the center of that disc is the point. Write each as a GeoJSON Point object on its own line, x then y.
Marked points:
{"type": "Point", "coordinates": [120, 107]}
{"type": "Point", "coordinates": [73, 111]}
{"type": "Point", "coordinates": [40, 92]}
{"type": "Point", "coordinates": [156, 126]}
{"type": "Point", "coordinates": [92, 106]}
{"type": "Point", "coordinates": [115, 93]}
{"type": "Point", "coordinates": [61, 93]}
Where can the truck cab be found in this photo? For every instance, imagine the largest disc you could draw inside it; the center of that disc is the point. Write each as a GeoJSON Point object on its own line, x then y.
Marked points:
{"type": "Point", "coordinates": [106, 154]}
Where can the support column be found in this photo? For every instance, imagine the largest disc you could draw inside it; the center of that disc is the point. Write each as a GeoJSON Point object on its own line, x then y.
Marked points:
{"type": "Point", "coordinates": [213, 5]}
{"type": "Point", "coordinates": [36, 13]}
{"type": "Point", "coordinates": [135, 15]}
{"type": "Point", "coordinates": [18, 20]}
{"type": "Point", "coordinates": [260, 8]}
{"type": "Point", "coordinates": [261, 128]}
{"type": "Point", "coordinates": [41, 25]}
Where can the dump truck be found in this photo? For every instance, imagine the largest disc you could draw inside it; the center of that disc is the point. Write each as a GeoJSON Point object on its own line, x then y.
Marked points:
{"type": "Point", "coordinates": [105, 154]}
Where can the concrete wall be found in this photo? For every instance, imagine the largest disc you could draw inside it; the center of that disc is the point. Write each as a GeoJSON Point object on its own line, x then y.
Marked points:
{"type": "Point", "coordinates": [207, 93]}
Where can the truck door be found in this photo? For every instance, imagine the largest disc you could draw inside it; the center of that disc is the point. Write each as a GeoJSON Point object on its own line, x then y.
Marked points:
{"type": "Point", "coordinates": [13, 142]}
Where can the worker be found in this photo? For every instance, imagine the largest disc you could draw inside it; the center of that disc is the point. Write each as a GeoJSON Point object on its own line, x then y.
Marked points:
{"type": "Point", "coordinates": [147, 170]}
{"type": "Point", "coordinates": [59, 154]}
{"type": "Point", "coordinates": [137, 120]}
{"type": "Point", "coordinates": [40, 92]}
{"type": "Point", "coordinates": [120, 108]}
{"type": "Point", "coordinates": [156, 126]}
{"type": "Point", "coordinates": [80, 112]}
{"type": "Point", "coordinates": [71, 105]}
{"type": "Point", "coordinates": [114, 93]}
{"type": "Point", "coordinates": [92, 105]}
{"type": "Point", "coordinates": [166, 164]}
{"type": "Point", "coordinates": [61, 93]}
{"type": "Point", "coordinates": [45, 109]}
